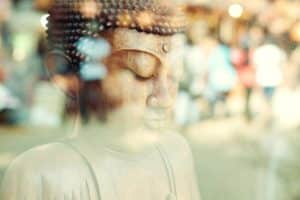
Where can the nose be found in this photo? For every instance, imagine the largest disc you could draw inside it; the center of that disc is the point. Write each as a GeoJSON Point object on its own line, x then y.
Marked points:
{"type": "Point", "coordinates": [160, 96]}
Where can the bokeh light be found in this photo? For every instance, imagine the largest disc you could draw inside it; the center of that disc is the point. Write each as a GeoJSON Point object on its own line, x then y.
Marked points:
{"type": "Point", "coordinates": [93, 48]}
{"type": "Point", "coordinates": [44, 21]}
{"type": "Point", "coordinates": [92, 71]}
{"type": "Point", "coordinates": [236, 10]}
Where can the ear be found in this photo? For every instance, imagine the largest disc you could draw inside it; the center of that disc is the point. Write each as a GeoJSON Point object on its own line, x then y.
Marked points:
{"type": "Point", "coordinates": [56, 62]}
{"type": "Point", "coordinates": [57, 65]}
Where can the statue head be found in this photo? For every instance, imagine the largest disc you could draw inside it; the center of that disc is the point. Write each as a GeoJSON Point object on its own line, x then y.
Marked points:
{"type": "Point", "coordinates": [139, 62]}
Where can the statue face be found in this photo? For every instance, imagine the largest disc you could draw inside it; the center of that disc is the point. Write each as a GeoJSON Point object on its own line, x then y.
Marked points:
{"type": "Point", "coordinates": [142, 76]}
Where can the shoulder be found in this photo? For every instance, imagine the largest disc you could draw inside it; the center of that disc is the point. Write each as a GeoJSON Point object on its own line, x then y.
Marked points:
{"type": "Point", "coordinates": [45, 157]}
{"type": "Point", "coordinates": [178, 156]}
{"type": "Point", "coordinates": [54, 167]}
{"type": "Point", "coordinates": [174, 138]}
{"type": "Point", "coordinates": [176, 145]}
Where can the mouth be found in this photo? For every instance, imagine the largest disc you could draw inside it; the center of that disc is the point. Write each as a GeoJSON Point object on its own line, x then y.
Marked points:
{"type": "Point", "coordinates": [157, 115]}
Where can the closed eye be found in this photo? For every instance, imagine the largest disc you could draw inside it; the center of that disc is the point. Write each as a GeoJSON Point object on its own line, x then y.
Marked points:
{"type": "Point", "coordinates": [142, 65]}
{"type": "Point", "coordinates": [142, 78]}
{"type": "Point", "coordinates": [138, 76]}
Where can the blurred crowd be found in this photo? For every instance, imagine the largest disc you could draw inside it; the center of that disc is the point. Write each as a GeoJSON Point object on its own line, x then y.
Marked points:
{"type": "Point", "coordinates": [238, 61]}
{"type": "Point", "coordinates": [248, 77]}
{"type": "Point", "coordinates": [241, 63]}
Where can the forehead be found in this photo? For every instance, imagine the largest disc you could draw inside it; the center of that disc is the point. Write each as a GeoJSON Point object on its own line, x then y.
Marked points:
{"type": "Point", "coordinates": [127, 39]}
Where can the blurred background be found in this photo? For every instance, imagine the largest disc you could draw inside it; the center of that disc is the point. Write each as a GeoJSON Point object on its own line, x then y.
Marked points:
{"type": "Point", "coordinates": [238, 100]}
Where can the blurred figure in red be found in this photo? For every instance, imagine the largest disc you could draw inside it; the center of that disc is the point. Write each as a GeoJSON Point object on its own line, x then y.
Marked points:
{"type": "Point", "coordinates": [241, 59]}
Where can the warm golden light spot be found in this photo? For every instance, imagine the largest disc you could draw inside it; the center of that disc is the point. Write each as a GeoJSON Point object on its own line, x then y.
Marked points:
{"type": "Point", "coordinates": [124, 19]}
{"type": "Point", "coordinates": [90, 9]}
{"type": "Point", "coordinates": [295, 32]}
{"type": "Point", "coordinates": [145, 19]}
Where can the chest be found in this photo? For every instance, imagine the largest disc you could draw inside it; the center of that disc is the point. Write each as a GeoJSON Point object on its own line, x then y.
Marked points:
{"type": "Point", "coordinates": [151, 178]}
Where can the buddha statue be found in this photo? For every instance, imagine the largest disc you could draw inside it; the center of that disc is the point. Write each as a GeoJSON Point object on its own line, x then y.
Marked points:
{"type": "Point", "coordinates": [131, 154]}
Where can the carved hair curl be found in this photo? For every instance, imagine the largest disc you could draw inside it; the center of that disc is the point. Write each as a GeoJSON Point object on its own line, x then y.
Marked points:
{"type": "Point", "coordinates": [70, 20]}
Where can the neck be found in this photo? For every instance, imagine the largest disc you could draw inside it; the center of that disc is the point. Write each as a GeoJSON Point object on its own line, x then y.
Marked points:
{"type": "Point", "coordinates": [124, 140]}
{"type": "Point", "coordinates": [125, 118]}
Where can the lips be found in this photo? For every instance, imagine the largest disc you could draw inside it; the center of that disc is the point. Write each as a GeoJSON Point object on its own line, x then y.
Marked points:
{"type": "Point", "coordinates": [157, 114]}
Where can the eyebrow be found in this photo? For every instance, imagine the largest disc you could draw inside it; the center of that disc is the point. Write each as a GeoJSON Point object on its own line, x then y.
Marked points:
{"type": "Point", "coordinates": [116, 51]}
{"type": "Point", "coordinates": [148, 43]}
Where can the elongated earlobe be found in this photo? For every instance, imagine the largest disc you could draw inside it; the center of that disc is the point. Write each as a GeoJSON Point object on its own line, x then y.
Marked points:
{"type": "Point", "coordinates": [56, 62]}
{"type": "Point", "coordinates": [57, 65]}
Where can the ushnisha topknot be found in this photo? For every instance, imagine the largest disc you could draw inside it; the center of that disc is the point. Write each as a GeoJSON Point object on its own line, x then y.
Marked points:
{"type": "Point", "coordinates": [70, 20]}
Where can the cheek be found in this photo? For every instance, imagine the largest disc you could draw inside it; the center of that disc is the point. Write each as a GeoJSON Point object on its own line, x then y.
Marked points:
{"type": "Point", "coordinates": [173, 84]}
{"type": "Point", "coordinates": [173, 92]}
{"type": "Point", "coordinates": [141, 91]}
{"type": "Point", "coordinates": [122, 87]}
{"type": "Point", "coordinates": [111, 90]}
{"type": "Point", "coordinates": [174, 89]}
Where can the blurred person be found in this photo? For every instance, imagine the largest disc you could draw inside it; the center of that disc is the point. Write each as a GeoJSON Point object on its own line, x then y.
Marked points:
{"type": "Point", "coordinates": [241, 59]}
{"type": "Point", "coordinates": [131, 154]}
{"type": "Point", "coordinates": [48, 105]}
{"type": "Point", "coordinates": [286, 100]}
{"type": "Point", "coordinates": [256, 35]}
{"type": "Point", "coordinates": [268, 60]}
{"type": "Point", "coordinates": [222, 77]}
{"type": "Point", "coordinates": [192, 85]}
{"type": "Point", "coordinates": [195, 58]}
{"type": "Point", "coordinates": [8, 102]}
{"type": "Point", "coordinates": [292, 73]}
{"type": "Point", "coordinates": [6, 38]}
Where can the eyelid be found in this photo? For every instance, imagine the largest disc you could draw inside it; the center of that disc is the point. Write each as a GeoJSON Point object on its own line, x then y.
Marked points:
{"type": "Point", "coordinates": [158, 58]}
{"type": "Point", "coordinates": [132, 68]}
{"type": "Point", "coordinates": [139, 77]}
{"type": "Point", "coordinates": [143, 64]}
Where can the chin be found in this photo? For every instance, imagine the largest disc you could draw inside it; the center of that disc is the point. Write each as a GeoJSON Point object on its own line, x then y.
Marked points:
{"type": "Point", "coordinates": [156, 122]}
